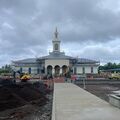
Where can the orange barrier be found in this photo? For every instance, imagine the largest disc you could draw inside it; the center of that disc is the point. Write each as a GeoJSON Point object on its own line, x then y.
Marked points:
{"type": "Point", "coordinates": [50, 82]}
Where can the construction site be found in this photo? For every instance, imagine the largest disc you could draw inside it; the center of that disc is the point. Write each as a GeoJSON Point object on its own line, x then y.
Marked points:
{"type": "Point", "coordinates": [25, 101]}
{"type": "Point", "coordinates": [33, 99]}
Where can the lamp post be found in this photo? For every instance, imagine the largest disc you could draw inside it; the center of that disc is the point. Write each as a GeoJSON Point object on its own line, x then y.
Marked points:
{"type": "Point", "coordinates": [84, 85]}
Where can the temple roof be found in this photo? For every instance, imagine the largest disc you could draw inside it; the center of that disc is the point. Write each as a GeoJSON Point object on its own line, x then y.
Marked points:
{"type": "Point", "coordinates": [28, 60]}
{"type": "Point", "coordinates": [56, 55]}
{"type": "Point", "coordinates": [84, 60]}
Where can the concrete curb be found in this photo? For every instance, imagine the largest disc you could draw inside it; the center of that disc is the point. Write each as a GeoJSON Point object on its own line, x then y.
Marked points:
{"type": "Point", "coordinates": [53, 107]}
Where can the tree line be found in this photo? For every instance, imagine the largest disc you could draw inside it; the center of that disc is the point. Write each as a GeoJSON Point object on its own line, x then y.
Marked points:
{"type": "Point", "coordinates": [109, 65]}
{"type": "Point", "coordinates": [5, 69]}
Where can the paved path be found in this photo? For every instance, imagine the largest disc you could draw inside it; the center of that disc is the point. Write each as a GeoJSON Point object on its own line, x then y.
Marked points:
{"type": "Point", "coordinates": [73, 103]}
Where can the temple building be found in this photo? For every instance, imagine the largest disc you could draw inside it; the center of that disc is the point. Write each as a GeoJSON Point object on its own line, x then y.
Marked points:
{"type": "Point", "coordinates": [56, 63]}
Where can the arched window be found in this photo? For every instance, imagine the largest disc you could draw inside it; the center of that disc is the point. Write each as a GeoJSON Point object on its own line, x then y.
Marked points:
{"type": "Point", "coordinates": [29, 70]}
{"type": "Point", "coordinates": [91, 69]}
{"type": "Point", "coordinates": [21, 70]}
{"type": "Point", "coordinates": [56, 46]}
{"type": "Point", "coordinates": [38, 70]}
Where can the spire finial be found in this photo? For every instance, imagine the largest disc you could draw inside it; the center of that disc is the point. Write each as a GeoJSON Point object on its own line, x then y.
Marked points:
{"type": "Point", "coordinates": [56, 29]}
{"type": "Point", "coordinates": [56, 33]}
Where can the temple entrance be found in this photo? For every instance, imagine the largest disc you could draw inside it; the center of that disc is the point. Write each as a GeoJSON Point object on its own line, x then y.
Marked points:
{"type": "Point", "coordinates": [49, 70]}
{"type": "Point", "coordinates": [57, 70]}
{"type": "Point", "coordinates": [64, 69]}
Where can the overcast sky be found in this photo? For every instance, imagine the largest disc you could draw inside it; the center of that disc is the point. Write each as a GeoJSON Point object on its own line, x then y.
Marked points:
{"type": "Point", "coordinates": [87, 28]}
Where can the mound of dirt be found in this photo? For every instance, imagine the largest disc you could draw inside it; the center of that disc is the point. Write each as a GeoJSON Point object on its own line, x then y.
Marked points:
{"type": "Point", "coordinates": [16, 95]}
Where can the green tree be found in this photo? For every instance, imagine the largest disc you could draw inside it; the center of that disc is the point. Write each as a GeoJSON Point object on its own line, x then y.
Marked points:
{"type": "Point", "coordinates": [109, 65]}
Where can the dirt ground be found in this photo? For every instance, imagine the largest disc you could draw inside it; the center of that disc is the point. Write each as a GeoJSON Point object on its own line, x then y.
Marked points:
{"type": "Point", "coordinates": [25, 101]}
{"type": "Point", "coordinates": [102, 91]}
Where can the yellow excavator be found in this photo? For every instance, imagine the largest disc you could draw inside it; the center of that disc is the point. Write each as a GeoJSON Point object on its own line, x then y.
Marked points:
{"type": "Point", "coordinates": [25, 77]}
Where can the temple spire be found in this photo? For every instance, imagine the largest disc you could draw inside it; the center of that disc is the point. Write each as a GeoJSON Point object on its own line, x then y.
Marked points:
{"type": "Point", "coordinates": [56, 34]}
{"type": "Point", "coordinates": [56, 42]}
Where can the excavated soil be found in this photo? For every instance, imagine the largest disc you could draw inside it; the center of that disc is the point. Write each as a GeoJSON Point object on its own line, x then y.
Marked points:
{"type": "Point", "coordinates": [25, 101]}
{"type": "Point", "coordinates": [102, 91]}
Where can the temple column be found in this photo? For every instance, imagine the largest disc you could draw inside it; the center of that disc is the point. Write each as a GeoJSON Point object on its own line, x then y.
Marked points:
{"type": "Point", "coordinates": [60, 70]}
{"type": "Point", "coordinates": [46, 70]}
{"type": "Point", "coordinates": [53, 71]}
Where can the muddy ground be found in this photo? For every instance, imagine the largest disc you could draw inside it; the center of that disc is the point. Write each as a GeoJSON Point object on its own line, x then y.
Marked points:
{"type": "Point", "coordinates": [25, 101]}
{"type": "Point", "coordinates": [102, 91]}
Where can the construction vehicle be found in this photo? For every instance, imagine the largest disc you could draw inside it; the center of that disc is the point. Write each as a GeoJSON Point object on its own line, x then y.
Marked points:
{"type": "Point", "coordinates": [25, 77]}
{"type": "Point", "coordinates": [115, 76]}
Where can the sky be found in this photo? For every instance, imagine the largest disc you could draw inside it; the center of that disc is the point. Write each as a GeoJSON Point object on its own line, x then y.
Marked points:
{"type": "Point", "coordinates": [87, 29]}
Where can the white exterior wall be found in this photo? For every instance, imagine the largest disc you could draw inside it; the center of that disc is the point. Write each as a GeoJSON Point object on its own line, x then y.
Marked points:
{"type": "Point", "coordinates": [53, 63]}
{"type": "Point", "coordinates": [79, 70]}
{"type": "Point", "coordinates": [33, 70]}
{"type": "Point", "coordinates": [26, 69]}
{"type": "Point", "coordinates": [95, 69]}
{"type": "Point", "coordinates": [16, 68]}
{"type": "Point", "coordinates": [87, 69]}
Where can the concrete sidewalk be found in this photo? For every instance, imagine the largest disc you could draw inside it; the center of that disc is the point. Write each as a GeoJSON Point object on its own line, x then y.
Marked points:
{"type": "Point", "coordinates": [73, 103]}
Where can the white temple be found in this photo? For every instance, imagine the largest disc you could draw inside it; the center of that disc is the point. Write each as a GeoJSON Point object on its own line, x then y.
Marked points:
{"type": "Point", "coordinates": [56, 63]}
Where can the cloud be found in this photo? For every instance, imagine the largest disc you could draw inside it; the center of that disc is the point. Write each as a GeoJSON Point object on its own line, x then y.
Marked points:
{"type": "Point", "coordinates": [27, 27]}
{"type": "Point", "coordinates": [108, 52]}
